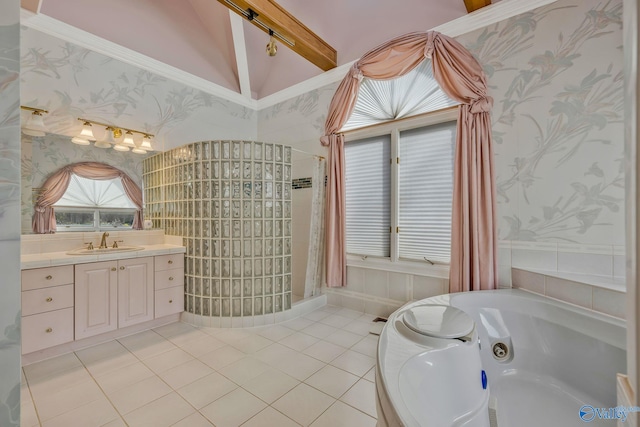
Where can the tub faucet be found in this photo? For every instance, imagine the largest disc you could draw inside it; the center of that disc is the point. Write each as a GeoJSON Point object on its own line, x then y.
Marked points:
{"type": "Point", "coordinates": [103, 242]}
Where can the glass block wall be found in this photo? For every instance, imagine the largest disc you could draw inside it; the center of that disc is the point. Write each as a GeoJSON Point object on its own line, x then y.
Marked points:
{"type": "Point", "coordinates": [231, 203]}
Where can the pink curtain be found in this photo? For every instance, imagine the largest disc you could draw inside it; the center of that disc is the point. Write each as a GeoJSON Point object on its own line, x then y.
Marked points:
{"type": "Point", "coordinates": [473, 237]}
{"type": "Point", "coordinates": [44, 219]}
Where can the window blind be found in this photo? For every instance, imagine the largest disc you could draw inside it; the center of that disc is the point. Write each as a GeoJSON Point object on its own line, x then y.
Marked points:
{"type": "Point", "coordinates": [368, 195]}
{"type": "Point", "coordinates": [425, 175]}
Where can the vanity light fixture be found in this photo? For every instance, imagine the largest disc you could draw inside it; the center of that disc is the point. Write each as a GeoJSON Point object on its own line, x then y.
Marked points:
{"type": "Point", "coordinates": [35, 125]}
{"type": "Point", "coordinates": [122, 139]}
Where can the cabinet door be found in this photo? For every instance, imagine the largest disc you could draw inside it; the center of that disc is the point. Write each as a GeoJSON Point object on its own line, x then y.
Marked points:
{"type": "Point", "coordinates": [96, 294]}
{"type": "Point", "coordinates": [135, 291]}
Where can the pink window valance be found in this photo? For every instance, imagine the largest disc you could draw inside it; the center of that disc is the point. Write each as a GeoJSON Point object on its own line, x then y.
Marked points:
{"type": "Point", "coordinates": [44, 219]}
{"type": "Point", "coordinates": [474, 237]}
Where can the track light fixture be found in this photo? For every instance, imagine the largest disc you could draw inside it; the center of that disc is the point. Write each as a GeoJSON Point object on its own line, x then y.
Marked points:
{"type": "Point", "coordinates": [272, 47]}
{"type": "Point", "coordinates": [252, 16]}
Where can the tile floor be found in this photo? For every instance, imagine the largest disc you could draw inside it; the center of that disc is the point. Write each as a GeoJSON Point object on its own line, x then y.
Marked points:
{"type": "Point", "coordinates": [316, 370]}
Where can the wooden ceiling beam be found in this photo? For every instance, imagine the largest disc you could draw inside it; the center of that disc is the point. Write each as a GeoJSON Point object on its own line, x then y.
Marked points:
{"type": "Point", "coordinates": [472, 5]}
{"type": "Point", "coordinates": [306, 43]}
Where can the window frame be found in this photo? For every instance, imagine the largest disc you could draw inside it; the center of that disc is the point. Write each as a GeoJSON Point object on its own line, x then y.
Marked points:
{"type": "Point", "coordinates": [394, 263]}
{"type": "Point", "coordinates": [96, 218]}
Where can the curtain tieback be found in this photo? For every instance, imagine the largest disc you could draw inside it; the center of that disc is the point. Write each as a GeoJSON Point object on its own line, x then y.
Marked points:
{"type": "Point", "coordinates": [356, 73]}
{"type": "Point", "coordinates": [482, 105]}
{"type": "Point", "coordinates": [324, 140]}
{"type": "Point", "coordinates": [40, 209]}
{"type": "Point", "coordinates": [428, 48]}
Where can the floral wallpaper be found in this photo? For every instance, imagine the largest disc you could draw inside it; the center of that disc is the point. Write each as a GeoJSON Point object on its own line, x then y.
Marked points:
{"type": "Point", "coordinates": [556, 79]}
{"type": "Point", "coordinates": [10, 214]}
{"type": "Point", "coordinates": [555, 74]}
{"type": "Point", "coordinates": [298, 121]}
{"type": "Point", "coordinates": [71, 82]}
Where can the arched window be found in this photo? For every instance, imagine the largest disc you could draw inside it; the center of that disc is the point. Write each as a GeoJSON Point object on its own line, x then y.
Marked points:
{"type": "Point", "coordinates": [418, 188]}
{"type": "Point", "coordinates": [380, 101]}
{"type": "Point", "coordinates": [90, 204]}
{"type": "Point", "coordinates": [88, 196]}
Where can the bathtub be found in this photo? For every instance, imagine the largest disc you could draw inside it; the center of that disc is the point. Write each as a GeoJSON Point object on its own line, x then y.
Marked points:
{"type": "Point", "coordinates": [530, 361]}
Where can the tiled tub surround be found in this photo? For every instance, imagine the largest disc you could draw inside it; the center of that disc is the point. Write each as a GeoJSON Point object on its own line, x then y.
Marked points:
{"type": "Point", "coordinates": [591, 276]}
{"type": "Point", "coordinates": [315, 370]}
{"type": "Point", "coordinates": [231, 202]}
{"type": "Point", "coordinates": [381, 288]}
{"type": "Point", "coordinates": [606, 296]}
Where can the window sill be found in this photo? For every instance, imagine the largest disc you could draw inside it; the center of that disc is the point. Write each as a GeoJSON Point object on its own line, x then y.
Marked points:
{"type": "Point", "coordinates": [406, 267]}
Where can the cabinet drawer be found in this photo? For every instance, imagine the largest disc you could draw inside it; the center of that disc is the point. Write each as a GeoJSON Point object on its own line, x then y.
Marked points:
{"type": "Point", "coordinates": [169, 278]}
{"type": "Point", "coordinates": [47, 299]}
{"type": "Point", "coordinates": [38, 278]}
{"type": "Point", "coordinates": [169, 262]}
{"type": "Point", "coordinates": [169, 301]}
{"type": "Point", "coordinates": [47, 330]}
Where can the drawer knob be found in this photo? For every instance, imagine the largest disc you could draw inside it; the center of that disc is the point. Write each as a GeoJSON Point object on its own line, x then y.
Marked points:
{"type": "Point", "coordinates": [113, 269]}
{"type": "Point", "coordinates": [49, 277]}
{"type": "Point", "coordinates": [170, 301]}
{"type": "Point", "coordinates": [171, 278]}
{"type": "Point", "coordinates": [170, 261]}
{"type": "Point", "coordinates": [122, 267]}
{"type": "Point", "coordinates": [49, 299]}
{"type": "Point", "coordinates": [48, 330]}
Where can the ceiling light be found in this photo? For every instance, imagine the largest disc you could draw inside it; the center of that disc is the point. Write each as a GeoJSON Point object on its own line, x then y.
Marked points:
{"type": "Point", "coordinates": [35, 125]}
{"type": "Point", "coordinates": [272, 47]}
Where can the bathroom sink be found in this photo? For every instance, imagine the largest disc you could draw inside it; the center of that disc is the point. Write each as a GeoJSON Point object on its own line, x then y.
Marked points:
{"type": "Point", "coordinates": [98, 251]}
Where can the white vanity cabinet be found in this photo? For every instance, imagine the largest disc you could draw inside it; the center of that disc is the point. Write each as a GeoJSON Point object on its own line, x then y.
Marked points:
{"type": "Point", "coordinates": [71, 302]}
{"type": "Point", "coordinates": [135, 291]}
{"type": "Point", "coordinates": [169, 289]}
{"type": "Point", "coordinates": [47, 307]}
{"type": "Point", "coordinates": [112, 295]}
{"type": "Point", "coordinates": [96, 291]}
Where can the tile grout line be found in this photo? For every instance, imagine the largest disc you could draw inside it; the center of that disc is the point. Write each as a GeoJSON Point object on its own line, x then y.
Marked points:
{"type": "Point", "coordinates": [246, 354]}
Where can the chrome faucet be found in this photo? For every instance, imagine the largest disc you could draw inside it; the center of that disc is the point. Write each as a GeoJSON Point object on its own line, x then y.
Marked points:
{"type": "Point", "coordinates": [103, 242]}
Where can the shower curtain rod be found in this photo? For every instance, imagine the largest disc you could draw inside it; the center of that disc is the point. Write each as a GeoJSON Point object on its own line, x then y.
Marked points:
{"type": "Point", "coordinates": [306, 152]}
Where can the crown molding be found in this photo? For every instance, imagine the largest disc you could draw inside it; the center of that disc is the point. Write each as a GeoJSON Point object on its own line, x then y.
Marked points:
{"type": "Point", "coordinates": [481, 18]}
{"type": "Point", "coordinates": [486, 16]}
{"type": "Point", "coordinates": [97, 44]}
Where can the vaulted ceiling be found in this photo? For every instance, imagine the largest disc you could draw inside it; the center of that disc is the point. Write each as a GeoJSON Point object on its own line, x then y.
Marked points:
{"type": "Point", "coordinates": [203, 38]}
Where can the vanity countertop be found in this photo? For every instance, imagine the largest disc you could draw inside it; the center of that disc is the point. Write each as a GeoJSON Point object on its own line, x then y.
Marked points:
{"type": "Point", "coordinates": [50, 259]}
